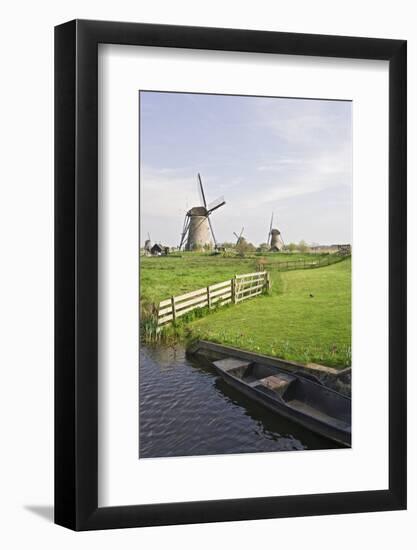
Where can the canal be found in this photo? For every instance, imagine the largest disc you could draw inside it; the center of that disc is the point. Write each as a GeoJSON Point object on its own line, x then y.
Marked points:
{"type": "Point", "coordinates": [185, 409]}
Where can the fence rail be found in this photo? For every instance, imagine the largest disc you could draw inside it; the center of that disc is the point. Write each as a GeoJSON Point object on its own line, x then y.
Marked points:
{"type": "Point", "coordinates": [305, 263]}
{"type": "Point", "coordinates": [235, 290]}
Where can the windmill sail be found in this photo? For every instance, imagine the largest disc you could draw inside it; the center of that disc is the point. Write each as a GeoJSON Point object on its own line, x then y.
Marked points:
{"type": "Point", "coordinates": [214, 205]}
{"type": "Point", "coordinates": [201, 191]}
{"type": "Point", "coordinates": [184, 230]}
{"type": "Point", "coordinates": [212, 232]}
{"type": "Point", "coordinates": [270, 229]}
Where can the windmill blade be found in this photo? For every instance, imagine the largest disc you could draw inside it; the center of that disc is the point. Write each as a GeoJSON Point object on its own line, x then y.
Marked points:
{"type": "Point", "coordinates": [238, 237]}
{"type": "Point", "coordinates": [215, 204]}
{"type": "Point", "coordinates": [201, 191]}
{"type": "Point", "coordinates": [270, 229]}
{"type": "Point", "coordinates": [212, 232]}
{"type": "Point", "coordinates": [182, 239]}
{"type": "Point", "coordinates": [184, 230]}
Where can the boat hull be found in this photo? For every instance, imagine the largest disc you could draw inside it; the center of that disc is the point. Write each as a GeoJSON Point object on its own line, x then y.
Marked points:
{"type": "Point", "coordinates": [339, 433]}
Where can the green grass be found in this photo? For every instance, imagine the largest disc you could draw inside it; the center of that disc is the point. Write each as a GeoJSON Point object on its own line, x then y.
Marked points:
{"type": "Point", "coordinates": [288, 323]}
{"type": "Point", "coordinates": [165, 276]}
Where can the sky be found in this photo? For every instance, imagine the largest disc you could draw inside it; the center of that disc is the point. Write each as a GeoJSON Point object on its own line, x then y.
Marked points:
{"type": "Point", "coordinates": [292, 157]}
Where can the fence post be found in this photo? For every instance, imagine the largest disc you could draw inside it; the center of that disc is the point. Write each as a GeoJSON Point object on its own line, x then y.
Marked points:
{"type": "Point", "coordinates": [267, 281]}
{"type": "Point", "coordinates": [234, 289]}
{"type": "Point", "coordinates": [173, 308]}
{"type": "Point", "coordinates": [208, 297]}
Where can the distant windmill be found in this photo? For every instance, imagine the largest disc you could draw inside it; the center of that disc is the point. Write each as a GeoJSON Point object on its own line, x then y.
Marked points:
{"type": "Point", "coordinates": [274, 241]}
{"type": "Point", "coordinates": [239, 237]}
{"type": "Point", "coordinates": [148, 243]}
{"type": "Point", "coordinates": [197, 230]}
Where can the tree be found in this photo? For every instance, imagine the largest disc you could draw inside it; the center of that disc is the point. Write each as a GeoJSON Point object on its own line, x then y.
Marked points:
{"type": "Point", "coordinates": [291, 247]}
{"type": "Point", "coordinates": [302, 246]}
{"type": "Point", "coordinates": [263, 247]}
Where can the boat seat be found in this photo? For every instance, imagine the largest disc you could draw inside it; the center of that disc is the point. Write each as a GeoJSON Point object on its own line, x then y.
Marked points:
{"type": "Point", "coordinates": [230, 364]}
{"type": "Point", "coordinates": [277, 382]}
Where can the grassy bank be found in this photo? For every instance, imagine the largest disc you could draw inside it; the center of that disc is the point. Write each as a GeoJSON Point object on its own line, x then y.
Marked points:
{"type": "Point", "coordinates": [306, 317]}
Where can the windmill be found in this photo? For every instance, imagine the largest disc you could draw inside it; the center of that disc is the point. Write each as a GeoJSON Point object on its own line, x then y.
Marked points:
{"type": "Point", "coordinates": [197, 230]}
{"type": "Point", "coordinates": [239, 237]}
{"type": "Point", "coordinates": [275, 241]}
{"type": "Point", "coordinates": [148, 244]}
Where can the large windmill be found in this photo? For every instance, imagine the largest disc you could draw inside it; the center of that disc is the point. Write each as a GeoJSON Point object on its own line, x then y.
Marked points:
{"type": "Point", "coordinates": [275, 241]}
{"type": "Point", "coordinates": [239, 237]}
{"type": "Point", "coordinates": [197, 230]}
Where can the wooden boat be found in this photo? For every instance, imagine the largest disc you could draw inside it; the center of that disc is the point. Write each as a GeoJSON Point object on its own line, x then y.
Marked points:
{"type": "Point", "coordinates": [297, 396]}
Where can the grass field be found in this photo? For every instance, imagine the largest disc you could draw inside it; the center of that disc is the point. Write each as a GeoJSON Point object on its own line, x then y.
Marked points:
{"type": "Point", "coordinates": [165, 276]}
{"type": "Point", "coordinates": [306, 317]}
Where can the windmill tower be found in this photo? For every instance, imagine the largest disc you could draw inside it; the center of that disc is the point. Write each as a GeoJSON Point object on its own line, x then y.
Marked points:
{"type": "Point", "coordinates": [197, 230]}
{"type": "Point", "coordinates": [275, 241]}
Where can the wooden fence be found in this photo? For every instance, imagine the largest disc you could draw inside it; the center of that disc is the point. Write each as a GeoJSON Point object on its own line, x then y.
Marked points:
{"type": "Point", "coordinates": [305, 263]}
{"type": "Point", "coordinates": [235, 290]}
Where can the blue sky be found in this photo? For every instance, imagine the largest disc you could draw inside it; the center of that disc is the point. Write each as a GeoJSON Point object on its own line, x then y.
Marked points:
{"type": "Point", "coordinates": [292, 157]}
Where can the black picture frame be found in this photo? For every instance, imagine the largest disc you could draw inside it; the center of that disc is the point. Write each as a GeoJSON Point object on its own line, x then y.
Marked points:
{"type": "Point", "coordinates": [76, 272]}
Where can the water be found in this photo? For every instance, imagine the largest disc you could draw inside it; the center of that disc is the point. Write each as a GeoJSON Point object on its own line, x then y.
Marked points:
{"type": "Point", "coordinates": [187, 409]}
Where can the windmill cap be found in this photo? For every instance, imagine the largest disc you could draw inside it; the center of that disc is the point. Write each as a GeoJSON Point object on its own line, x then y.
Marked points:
{"type": "Point", "coordinates": [197, 211]}
{"type": "Point", "coordinates": [275, 232]}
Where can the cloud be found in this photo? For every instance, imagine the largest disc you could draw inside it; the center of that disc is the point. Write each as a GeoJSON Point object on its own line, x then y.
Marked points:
{"type": "Point", "coordinates": [314, 146]}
